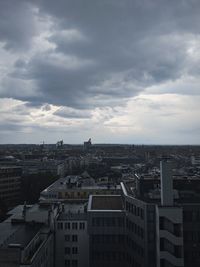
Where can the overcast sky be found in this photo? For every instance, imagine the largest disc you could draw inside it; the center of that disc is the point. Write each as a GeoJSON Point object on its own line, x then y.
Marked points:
{"type": "Point", "coordinates": [118, 71]}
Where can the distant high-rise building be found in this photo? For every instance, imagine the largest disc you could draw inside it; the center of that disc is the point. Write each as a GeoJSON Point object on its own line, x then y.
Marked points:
{"type": "Point", "coordinates": [87, 144]}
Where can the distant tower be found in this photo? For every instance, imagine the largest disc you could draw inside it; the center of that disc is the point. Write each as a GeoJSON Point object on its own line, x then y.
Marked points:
{"type": "Point", "coordinates": [87, 144]}
{"type": "Point", "coordinates": [59, 144]}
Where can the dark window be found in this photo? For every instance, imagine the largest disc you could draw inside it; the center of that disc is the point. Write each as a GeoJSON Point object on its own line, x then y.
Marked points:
{"type": "Point", "coordinates": [67, 250]}
{"type": "Point", "coordinates": [74, 238]}
{"type": "Point", "coordinates": [67, 263]}
{"type": "Point", "coordinates": [82, 226]}
{"type": "Point", "coordinates": [67, 225]}
{"type": "Point", "coordinates": [60, 226]}
{"type": "Point", "coordinates": [67, 238]}
{"type": "Point", "coordinates": [74, 225]}
{"type": "Point", "coordinates": [161, 223]}
{"type": "Point", "coordinates": [74, 250]}
{"type": "Point", "coordinates": [74, 263]}
{"type": "Point", "coordinates": [161, 244]}
{"type": "Point", "coordinates": [178, 251]}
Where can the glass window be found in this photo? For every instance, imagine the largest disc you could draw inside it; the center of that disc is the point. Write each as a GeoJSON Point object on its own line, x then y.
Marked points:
{"type": "Point", "coordinates": [67, 263]}
{"type": "Point", "coordinates": [67, 250]}
{"type": "Point", "coordinates": [74, 225]}
{"type": "Point", "coordinates": [60, 225]}
{"type": "Point", "coordinates": [74, 250]}
{"type": "Point", "coordinates": [74, 238]}
{"type": "Point", "coordinates": [82, 226]}
{"type": "Point", "coordinates": [74, 263]}
{"type": "Point", "coordinates": [67, 225]}
{"type": "Point", "coordinates": [67, 238]}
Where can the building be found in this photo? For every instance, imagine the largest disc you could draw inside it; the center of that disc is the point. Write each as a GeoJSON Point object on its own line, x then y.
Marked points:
{"type": "Point", "coordinates": [87, 144]}
{"type": "Point", "coordinates": [74, 188]}
{"type": "Point", "coordinates": [151, 221]}
{"type": "Point", "coordinates": [26, 241]}
{"type": "Point", "coordinates": [10, 185]}
{"type": "Point", "coordinates": [71, 237]}
{"type": "Point", "coordinates": [163, 223]}
{"type": "Point", "coordinates": [106, 228]}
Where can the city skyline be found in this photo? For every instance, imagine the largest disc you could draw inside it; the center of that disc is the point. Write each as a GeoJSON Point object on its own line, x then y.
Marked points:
{"type": "Point", "coordinates": [118, 72]}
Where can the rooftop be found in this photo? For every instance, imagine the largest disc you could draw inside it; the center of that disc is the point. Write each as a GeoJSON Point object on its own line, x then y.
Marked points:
{"type": "Point", "coordinates": [20, 234]}
{"type": "Point", "coordinates": [106, 202]}
{"type": "Point", "coordinates": [74, 183]}
{"type": "Point", "coordinates": [73, 212]}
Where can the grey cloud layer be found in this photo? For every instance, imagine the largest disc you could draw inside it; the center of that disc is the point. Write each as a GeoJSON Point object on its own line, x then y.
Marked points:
{"type": "Point", "coordinates": [17, 24]}
{"type": "Point", "coordinates": [105, 51]}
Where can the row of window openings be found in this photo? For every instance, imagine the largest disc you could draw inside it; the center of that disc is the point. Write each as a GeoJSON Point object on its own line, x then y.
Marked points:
{"type": "Point", "coordinates": [108, 222]}
{"type": "Point", "coordinates": [166, 224]}
{"type": "Point", "coordinates": [71, 238]}
{"type": "Point", "coordinates": [108, 256]}
{"type": "Point", "coordinates": [10, 193]}
{"type": "Point", "coordinates": [9, 186]}
{"type": "Point", "coordinates": [114, 256]}
{"type": "Point", "coordinates": [166, 245]}
{"type": "Point", "coordinates": [7, 173]}
{"type": "Point", "coordinates": [137, 211]}
{"type": "Point", "coordinates": [69, 225]}
{"type": "Point", "coordinates": [105, 239]}
{"type": "Point", "coordinates": [10, 197]}
{"type": "Point", "coordinates": [10, 181]}
{"type": "Point", "coordinates": [193, 236]}
{"type": "Point", "coordinates": [72, 263]}
{"type": "Point", "coordinates": [69, 250]}
{"type": "Point", "coordinates": [189, 216]}
{"type": "Point", "coordinates": [131, 260]}
{"type": "Point", "coordinates": [135, 247]}
{"type": "Point", "coordinates": [139, 231]}
{"type": "Point", "coordinates": [192, 256]}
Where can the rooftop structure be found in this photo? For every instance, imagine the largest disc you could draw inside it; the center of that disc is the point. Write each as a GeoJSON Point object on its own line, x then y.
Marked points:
{"type": "Point", "coordinates": [26, 241]}
{"type": "Point", "coordinates": [75, 188]}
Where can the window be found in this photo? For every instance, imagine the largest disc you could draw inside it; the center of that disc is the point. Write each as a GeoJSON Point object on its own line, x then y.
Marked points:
{"type": "Point", "coordinates": [74, 250]}
{"type": "Point", "coordinates": [82, 226]}
{"type": "Point", "coordinates": [142, 214]}
{"type": "Point", "coordinates": [74, 238]}
{"type": "Point", "coordinates": [150, 216]}
{"type": "Point", "coordinates": [120, 222]}
{"type": "Point", "coordinates": [67, 225]}
{"type": "Point", "coordinates": [74, 263]}
{"type": "Point", "coordinates": [161, 220]}
{"type": "Point", "coordinates": [60, 226]}
{"type": "Point", "coordinates": [67, 250]}
{"type": "Point", "coordinates": [67, 238]}
{"type": "Point", "coordinates": [74, 225]}
{"type": "Point", "coordinates": [67, 263]}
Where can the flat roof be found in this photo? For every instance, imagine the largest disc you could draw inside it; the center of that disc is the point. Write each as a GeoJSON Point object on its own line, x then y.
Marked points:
{"type": "Point", "coordinates": [17, 234]}
{"type": "Point", "coordinates": [61, 185]}
{"type": "Point", "coordinates": [106, 202]}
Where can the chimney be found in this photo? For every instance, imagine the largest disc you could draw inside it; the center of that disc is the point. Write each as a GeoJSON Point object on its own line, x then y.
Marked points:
{"type": "Point", "coordinates": [166, 183]}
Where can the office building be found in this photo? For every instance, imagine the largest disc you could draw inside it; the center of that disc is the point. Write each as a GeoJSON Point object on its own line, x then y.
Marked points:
{"type": "Point", "coordinates": [10, 185]}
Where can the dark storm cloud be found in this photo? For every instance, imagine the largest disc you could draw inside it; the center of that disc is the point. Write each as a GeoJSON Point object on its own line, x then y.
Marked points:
{"type": "Point", "coordinates": [17, 25]}
{"type": "Point", "coordinates": [105, 51]}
